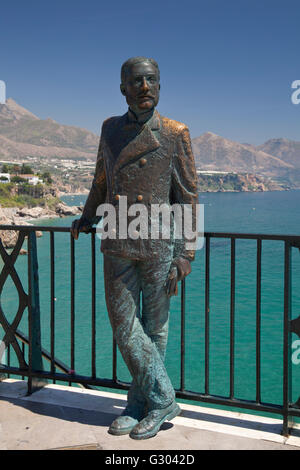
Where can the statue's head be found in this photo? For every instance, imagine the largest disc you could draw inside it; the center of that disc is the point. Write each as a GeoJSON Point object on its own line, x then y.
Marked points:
{"type": "Point", "coordinates": [140, 83]}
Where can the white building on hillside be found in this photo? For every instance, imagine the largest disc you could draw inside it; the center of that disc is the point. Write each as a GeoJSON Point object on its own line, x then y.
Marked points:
{"type": "Point", "coordinates": [4, 178]}
{"type": "Point", "coordinates": [31, 179]}
{"type": "Point", "coordinates": [34, 180]}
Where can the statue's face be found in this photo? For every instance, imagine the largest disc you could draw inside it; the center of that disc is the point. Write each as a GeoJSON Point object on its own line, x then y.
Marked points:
{"type": "Point", "coordinates": [141, 87]}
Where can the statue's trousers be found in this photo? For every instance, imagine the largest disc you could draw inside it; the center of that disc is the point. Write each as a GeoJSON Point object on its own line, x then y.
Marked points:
{"type": "Point", "coordinates": [138, 309]}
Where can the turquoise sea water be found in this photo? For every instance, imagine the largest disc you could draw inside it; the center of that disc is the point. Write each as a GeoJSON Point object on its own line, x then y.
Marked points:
{"type": "Point", "coordinates": [268, 212]}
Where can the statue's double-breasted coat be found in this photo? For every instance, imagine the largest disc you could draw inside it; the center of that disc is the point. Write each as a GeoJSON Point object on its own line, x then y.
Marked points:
{"type": "Point", "coordinates": [149, 163]}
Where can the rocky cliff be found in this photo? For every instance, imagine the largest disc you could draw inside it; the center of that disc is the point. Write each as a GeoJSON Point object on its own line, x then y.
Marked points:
{"type": "Point", "coordinates": [236, 182]}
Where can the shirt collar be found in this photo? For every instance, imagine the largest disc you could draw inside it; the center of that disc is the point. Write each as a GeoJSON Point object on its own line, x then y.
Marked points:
{"type": "Point", "coordinates": [141, 119]}
{"type": "Point", "coordinates": [152, 118]}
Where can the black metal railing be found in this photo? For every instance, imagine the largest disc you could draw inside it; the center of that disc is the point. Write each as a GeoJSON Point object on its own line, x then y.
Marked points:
{"type": "Point", "coordinates": [31, 365]}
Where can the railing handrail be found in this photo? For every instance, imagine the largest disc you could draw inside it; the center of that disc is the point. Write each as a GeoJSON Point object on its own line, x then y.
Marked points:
{"type": "Point", "coordinates": [241, 235]}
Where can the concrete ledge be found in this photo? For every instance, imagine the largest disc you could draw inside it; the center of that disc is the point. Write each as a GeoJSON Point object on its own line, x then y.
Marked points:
{"type": "Point", "coordinates": [61, 417]}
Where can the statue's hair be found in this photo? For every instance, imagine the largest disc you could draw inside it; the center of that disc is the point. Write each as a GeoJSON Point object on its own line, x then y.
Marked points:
{"type": "Point", "coordinates": [136, 60]}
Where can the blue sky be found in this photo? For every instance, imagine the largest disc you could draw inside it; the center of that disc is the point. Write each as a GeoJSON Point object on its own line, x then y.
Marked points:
{"type": "Point", "coordinates": [226, 66]}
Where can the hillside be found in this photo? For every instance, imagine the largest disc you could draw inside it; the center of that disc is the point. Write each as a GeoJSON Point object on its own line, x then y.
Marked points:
{"type": "Point", "coordinates": [287, 150]}
{"type": "Point", "coordinates": [213, 152]}
{"type": "Point", "coordinates": [23, 134]}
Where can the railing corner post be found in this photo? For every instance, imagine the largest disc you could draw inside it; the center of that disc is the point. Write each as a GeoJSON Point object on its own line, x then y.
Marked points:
{"type": "Point", "coordinates": [35, 361]}
{"type": "Point", "coordinates": [287, 369]}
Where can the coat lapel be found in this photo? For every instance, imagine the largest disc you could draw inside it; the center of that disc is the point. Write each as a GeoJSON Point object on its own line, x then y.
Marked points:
{"type": "Point", "coordinates": [144, 142]}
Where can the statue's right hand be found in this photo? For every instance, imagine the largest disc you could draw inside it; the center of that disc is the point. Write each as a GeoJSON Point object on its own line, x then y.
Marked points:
{"type": "Point", "coordinates": [80, 225]}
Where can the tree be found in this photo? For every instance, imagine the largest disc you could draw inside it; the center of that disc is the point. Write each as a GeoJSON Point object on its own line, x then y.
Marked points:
{"type": "Point", "coordinates": [18, 179]}
{"type": "Point", "coordinates": [16, 169]}
{"type": "Point", "coordinates": [5, 168]}
{"type": "Point", "coordinates": [46, 176]}
{"type": "Point", "coordinates": [26, 169]}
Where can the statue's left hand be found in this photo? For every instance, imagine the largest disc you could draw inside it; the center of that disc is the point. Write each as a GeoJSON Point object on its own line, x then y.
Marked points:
{"type": "Point", "coordinates": [80, 225]}
{"type": "Point", "coordinates": [180, 268]}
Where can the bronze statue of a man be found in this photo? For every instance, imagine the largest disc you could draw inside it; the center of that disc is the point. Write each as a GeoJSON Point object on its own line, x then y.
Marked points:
{"type": "Point", "coordinates": [147, 158]}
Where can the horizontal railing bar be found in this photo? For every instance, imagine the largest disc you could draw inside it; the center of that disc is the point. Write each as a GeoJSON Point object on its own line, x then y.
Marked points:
{"type": "Point", "coordinates": [237, 403]}
{"type": "Point", "coordinates": [30, 228]}
{"type": "Point", "coordinates": [250, 236]}
{"type": "Point", "coordinates": [186, 395]}
{"type": "Point", "coordinates": [253, 236]}
{"type": "Point", "coordinates": [46, 355]}
{"type": "Point", "coordinates": [294, 411]}
{"type": "Point", "coordinates": [74, 378]}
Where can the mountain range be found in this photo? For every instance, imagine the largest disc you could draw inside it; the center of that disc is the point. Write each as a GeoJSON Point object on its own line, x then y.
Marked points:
{"type": "Point", "coordinates": [22, 135]}
{"type": "Point", "coordinates": [213, 152]}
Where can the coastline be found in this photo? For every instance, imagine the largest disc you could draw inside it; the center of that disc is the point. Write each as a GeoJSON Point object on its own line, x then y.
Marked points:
{"type": "Point", "coordinates": [24, 216]}
{"type": "Point", "coordinates": [79, 193]}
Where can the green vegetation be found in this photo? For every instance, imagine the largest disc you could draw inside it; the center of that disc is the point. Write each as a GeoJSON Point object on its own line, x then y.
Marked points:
{"type": "Point", "coordinates": [25, 169]}
{"type": "Point", "coordinates": [25, 195]}
{"type": "Point", "coordinates": [17, 179]}
{"type": "Point", "coordinates": [228, 182]}
{"type": "Point", "coordinates": [51, 202]}
{"type": "Point", "coordinates": [46, 177]}
{"type": "Point", "coordinates": [17, 169]}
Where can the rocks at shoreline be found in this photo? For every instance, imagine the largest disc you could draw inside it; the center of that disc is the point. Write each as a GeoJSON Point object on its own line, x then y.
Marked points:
{"type": "Point", "coordinates": [22, 216]}
{"type": "Point", "coordinates": [237, 182]}
{"type": "Point", "coordinates": [34, 213]}
{"type": "Point", "coordinates": [63, 210]}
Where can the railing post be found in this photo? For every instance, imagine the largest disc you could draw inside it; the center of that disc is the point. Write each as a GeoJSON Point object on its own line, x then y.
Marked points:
{"type": "Point", "coordinates": [182, 346]}
{"type": "Point", "coordinates": [72, 325]}
{"type": "Point", "coordinates": [93, 306]}
{"type": "Point", "coordinates": [207, 291]}
{"type": "Point", "coordinates": [232, 316]}
{"type": "Point", "coordinates": [287, 369]}
{"type": "Point", "coordinates": [35, 361]}
{"type": "Point", "coordinates": [258, 320]}
{"type": "Point", "coordinates": [52, 303]}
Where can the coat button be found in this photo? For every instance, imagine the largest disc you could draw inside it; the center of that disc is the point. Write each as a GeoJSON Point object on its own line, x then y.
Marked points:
{"type": "Point", "coordinates": [143, 161]}
{"type": "Point", "coordinates": [140, 197]}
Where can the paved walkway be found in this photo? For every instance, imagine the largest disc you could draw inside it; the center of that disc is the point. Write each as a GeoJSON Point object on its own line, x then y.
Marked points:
{"type": "Point", "coordinates": [59, 417]}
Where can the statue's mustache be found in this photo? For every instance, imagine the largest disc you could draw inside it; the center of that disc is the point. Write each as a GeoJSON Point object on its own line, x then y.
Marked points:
{"type": "Point", "coordinates": [145, 95]}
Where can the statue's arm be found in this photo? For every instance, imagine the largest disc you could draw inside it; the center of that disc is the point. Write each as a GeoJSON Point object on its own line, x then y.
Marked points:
{"type": "Point", "coordinates": [183, 191]}
{"type": "Point", "coordinates": [97, 195]}
{"type": "Point", "coordinates": [184, 188]}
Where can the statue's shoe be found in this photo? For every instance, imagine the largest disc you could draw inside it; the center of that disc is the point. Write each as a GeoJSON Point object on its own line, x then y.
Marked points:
{"type": "Point", "coordinates": [122, 425]}
{"type": "Point", "coordinates": [127, 421]}
{"type": "Point", "coordinates": [150, 425]}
